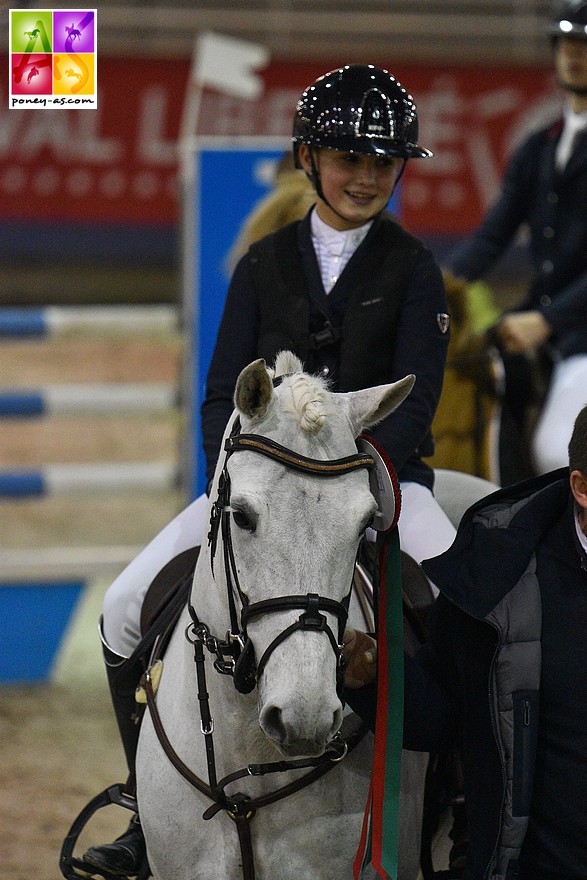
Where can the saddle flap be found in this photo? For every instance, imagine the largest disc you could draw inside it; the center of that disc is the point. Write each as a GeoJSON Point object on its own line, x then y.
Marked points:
{"type": "Point", "coordinates": [165, 585]}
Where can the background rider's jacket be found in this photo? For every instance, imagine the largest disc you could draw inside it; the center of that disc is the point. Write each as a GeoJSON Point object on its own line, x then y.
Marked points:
{"type": "Point", "coordinates": [381, 321]}
{"type": "Point", "coordinates": [480, 676]}
{"type": "Point", "coordinates": [554, 206]}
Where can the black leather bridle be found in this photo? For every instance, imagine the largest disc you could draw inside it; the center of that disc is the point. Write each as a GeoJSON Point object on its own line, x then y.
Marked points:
{"type": "Point", "coordinates": [235, 655]}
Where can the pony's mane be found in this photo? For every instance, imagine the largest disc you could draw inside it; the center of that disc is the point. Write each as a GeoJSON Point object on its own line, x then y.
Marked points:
{"type": "Point", "coordinates": [308, 393]}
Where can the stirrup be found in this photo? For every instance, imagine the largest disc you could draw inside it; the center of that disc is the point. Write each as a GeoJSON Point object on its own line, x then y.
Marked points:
{"type": "Point", "coordinates": [73, 868]}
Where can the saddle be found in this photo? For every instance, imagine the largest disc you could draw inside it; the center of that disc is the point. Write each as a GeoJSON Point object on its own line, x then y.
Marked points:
{"type": "Point", "coordinates": [173, 581]}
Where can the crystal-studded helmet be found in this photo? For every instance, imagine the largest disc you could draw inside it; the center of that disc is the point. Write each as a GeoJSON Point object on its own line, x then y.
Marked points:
{"type": "Point", "coordinates": [358, 108]}
{"type": "Point", "coordinates": [569, 18]}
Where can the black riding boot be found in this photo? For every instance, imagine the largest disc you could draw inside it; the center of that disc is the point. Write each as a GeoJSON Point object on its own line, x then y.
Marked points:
{"type": "Point", "coordinates": [127, 855]}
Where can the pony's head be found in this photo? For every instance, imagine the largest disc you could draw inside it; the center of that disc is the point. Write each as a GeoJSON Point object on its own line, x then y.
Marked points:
{"type": "Point", "coordinates": [298, 503]}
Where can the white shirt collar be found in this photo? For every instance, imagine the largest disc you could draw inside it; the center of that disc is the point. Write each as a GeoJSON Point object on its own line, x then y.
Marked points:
{"type": "Point", "coordinates": [573, 123]}
{"type": "Point", "coordinates": [336, 240]}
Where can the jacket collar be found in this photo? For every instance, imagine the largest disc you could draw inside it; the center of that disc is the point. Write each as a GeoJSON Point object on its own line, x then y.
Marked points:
{"type": "Point", "coordinates": [496, 540]}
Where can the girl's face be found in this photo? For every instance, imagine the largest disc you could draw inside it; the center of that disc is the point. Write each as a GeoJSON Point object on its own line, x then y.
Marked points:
{"type": "Point", "coordinates": [356, 187]}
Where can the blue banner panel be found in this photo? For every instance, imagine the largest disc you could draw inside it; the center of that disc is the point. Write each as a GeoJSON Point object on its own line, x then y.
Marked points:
{"type": "Point", "coordinates": [229, 183]}
{"type": "Point", "coordinates": [33, 620]}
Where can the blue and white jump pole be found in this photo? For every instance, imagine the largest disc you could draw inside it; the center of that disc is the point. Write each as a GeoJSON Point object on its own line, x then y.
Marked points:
{"type": "Point", "coordinates": [55, 321]}
{"type": "Point", "coordinates": [40, 588]}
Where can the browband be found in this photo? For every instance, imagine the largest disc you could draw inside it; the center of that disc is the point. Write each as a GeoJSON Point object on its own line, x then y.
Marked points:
{"type": "Point", "coordinates": [271, 449]}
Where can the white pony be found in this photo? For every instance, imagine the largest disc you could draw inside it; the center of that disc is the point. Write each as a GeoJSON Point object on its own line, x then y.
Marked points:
{"type": "Point", "coordinates": [280, 529]}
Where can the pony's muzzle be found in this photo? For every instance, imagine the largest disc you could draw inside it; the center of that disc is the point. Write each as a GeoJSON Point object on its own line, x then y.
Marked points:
{"type": "Point", "coordinates": [294, 737]}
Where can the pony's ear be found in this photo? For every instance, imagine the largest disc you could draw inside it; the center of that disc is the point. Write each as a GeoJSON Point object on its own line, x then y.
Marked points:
{"type": "Point", "coordinates": [369, 406]}
{"type": "Point", "coordinates": [254, 390]}
{"type": "Point", "coordinates": [287, 363]}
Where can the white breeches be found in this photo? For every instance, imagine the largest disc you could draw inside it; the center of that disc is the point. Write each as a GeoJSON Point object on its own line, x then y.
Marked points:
{"type": "Point", "coordinates": [424, 530]}
{"type": "Point", "coordinates": [124, 598]}
{"type": "Point", "coordinates": [567, 395]}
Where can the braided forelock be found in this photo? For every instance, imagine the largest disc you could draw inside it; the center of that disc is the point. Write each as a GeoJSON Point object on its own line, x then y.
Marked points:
{"type": "Point", "coordinates": [307, 401]}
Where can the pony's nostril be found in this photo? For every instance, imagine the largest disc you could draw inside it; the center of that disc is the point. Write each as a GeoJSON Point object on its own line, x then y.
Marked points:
{"type": "Point", "coordinates": [272, 723]}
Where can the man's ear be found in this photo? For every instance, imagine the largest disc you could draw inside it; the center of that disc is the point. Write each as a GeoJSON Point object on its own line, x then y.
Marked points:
{"type": "Point", "coordinates": [578, 482]}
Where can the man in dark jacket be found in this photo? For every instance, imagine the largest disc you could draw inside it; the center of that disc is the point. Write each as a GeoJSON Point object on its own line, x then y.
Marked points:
{"type": "Point", "coordinates": [545, 189]}
{"type": "Point", "coordinates": [504, 671]}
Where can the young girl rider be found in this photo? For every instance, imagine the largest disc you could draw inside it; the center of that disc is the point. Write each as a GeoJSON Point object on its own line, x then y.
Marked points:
{"type": "Point", "coordinates": [357, 298]}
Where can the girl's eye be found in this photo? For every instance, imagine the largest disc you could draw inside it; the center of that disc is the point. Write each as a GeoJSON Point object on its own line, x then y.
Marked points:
{"type": "Point", "coordinates": [242, 521]}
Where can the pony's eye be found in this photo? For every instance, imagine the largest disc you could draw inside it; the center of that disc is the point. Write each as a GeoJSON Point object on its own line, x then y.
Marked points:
{"type": "Point", "coordinates": [242, 521]}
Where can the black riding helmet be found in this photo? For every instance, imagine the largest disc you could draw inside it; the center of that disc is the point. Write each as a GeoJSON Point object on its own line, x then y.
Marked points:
{"type": "Point", "coordinates": [358, 108]}
{"type": "Point", "coordinates": [569, 19]}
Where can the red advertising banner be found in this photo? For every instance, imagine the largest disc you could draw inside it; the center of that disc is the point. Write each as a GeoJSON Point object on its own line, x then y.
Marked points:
{"type": "Point", "coordinates": [119, 163]}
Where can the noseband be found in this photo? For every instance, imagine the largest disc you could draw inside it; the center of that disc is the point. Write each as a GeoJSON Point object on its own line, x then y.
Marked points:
{"type": "Point", "coordinates": [236, 655]}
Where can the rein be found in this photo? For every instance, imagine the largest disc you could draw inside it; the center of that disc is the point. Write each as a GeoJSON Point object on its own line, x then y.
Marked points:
{"type": "Point", "coordinates": [240, 807]}
{"type": "Point", "coordinates": [235, 655]}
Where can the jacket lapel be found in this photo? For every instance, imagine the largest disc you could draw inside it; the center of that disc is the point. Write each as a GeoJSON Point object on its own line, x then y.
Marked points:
{"type": "Point", "coordinates": [578, 159]}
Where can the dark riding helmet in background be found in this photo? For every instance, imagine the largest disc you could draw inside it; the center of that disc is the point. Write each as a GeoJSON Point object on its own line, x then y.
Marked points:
{"type": "Point", "coordinates": [569, 19]}
{"type": "Point", "coordinates": [358, 108]}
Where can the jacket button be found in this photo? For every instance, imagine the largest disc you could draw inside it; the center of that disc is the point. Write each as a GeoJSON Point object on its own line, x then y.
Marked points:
{"type": "Point", "coordinates": [547, 267]}
{"type": "Point", "coordinates": [548, 232]}
{"type": "Point", "coordinates": [552, 198]}
{"type": "Point", "coordinates": [545, 300]}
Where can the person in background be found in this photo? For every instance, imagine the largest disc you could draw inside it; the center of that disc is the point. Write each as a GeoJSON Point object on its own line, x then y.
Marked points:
{"type": "Point", "coordinates": [544, 187]}
{"type": "Point", "coordinates": [290, 199]}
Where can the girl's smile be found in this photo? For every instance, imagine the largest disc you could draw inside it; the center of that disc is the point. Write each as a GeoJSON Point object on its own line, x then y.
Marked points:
{"type": "Point", "coordinates": [355, 186]}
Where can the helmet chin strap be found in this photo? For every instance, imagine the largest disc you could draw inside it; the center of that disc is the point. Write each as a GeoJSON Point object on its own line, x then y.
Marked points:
{"type": "Point", "coordinates": [316, 182]}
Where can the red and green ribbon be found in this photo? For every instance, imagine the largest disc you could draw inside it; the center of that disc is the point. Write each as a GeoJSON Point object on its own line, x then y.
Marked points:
{"type": "Point", "coordinates": [379, 837]}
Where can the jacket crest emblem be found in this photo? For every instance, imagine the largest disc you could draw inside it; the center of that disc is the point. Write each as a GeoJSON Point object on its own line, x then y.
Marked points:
{"type": "Point", "coordinates": [443, 321]}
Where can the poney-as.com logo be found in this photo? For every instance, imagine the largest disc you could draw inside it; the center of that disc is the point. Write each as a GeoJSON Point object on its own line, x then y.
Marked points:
{"type": "Point", "coordinates": [53, 58]}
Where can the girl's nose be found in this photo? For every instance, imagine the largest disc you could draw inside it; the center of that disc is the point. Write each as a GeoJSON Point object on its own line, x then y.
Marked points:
{"type": "Point", "coordinates": [367, 171]}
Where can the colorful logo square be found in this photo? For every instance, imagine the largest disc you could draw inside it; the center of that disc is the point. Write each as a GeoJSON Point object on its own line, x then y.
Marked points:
{"type": "Point", "coordinates": [31, 30]}
{"type": "Point", "coordinates": [53, 58]}
{"type": "Point", "coordinates": [32, 74]}
{"type": "Point", "coordinates": [74, 31]}
{"type": "Point", "coordinates": [73, 75]}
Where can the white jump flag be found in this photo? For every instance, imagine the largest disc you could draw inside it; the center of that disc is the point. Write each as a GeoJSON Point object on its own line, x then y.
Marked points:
{"type": "Point", "coordinates": [229, 65]}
